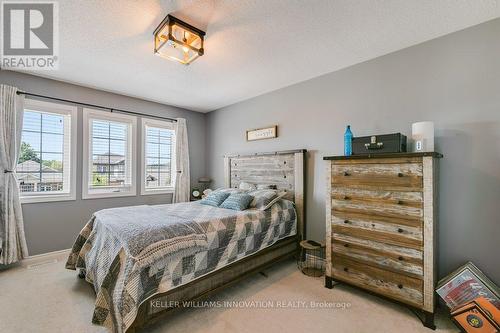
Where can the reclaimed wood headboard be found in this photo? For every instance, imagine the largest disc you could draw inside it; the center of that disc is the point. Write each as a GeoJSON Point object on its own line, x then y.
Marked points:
{"type": "Point", "coordinates": [285, 169]}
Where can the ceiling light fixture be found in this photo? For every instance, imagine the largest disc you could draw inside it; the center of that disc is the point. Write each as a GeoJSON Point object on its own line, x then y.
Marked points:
{"type": "Point", "coordinates": [178, 40]}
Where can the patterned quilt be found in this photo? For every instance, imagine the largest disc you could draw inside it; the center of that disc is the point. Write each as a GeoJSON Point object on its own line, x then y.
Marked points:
{"type": "Point", "coordinates": [132, 253]}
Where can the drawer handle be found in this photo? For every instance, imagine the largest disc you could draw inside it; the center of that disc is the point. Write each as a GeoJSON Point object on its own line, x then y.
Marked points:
{"type": "Point", "coordinates": [400, 202]}
{"type": "Point", "coordinates": [346, 245]}
{"type": "Point", "coordinates": [401, 258]}
{"type": "Point", "coordinates": [347, 198]}
{"type": "Point", "coordinates": [346, 269]}
{"type": "Point", "coordinates": [400, 230]}
{"type": "Point", "coordinates": [400, 286]}
{"type": "Point", "coordinates": [346, 173]}
{"type": "Point", "coordinates": [400, 174]}
{"type": "Point", "coordinates": [346, 221]}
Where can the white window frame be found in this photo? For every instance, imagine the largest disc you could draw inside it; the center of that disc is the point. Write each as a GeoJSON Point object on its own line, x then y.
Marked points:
{"type": "Point", "coordinates": [158, 124]}
{"type": "Point", "coordinates": [131, 190]}
{"type": "Point", "coordinates": [65, 110]}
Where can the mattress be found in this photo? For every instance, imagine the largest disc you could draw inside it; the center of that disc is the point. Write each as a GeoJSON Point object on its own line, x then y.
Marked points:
{"type": "Point", "coordinates": [132, 253]}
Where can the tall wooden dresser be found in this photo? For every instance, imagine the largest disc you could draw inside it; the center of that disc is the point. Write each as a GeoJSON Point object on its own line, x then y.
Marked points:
{"type": "Point", "coordinates": [381, 219]}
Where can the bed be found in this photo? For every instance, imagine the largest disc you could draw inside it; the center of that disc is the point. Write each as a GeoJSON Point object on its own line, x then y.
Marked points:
{"type": "Point", "coordinates": [145, 261]}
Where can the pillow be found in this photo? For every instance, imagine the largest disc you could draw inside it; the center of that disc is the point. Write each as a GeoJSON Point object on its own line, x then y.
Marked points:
{"type": "Point", "coordinates": [247, 186]}
{"type": "Point", "coordinates": [279, 196]}
{"type": "Point", "coordinates": [237, 201]}
{"type": "Point", "coordinates": [215, 198]}
{"type": "Point", "coordinates": [262, 198]}
{"type": "Point", "coordinates": [229, 190]}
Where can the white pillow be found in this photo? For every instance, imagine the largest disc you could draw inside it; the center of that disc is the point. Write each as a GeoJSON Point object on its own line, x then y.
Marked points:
{"type": "Point", "coordinates": [247, 186]}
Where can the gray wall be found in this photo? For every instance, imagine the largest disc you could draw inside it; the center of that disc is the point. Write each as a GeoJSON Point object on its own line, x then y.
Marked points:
{"type": "Point", "coordinates": [453, 80]}
{"type": "Point", "coordinates": [54, 226]}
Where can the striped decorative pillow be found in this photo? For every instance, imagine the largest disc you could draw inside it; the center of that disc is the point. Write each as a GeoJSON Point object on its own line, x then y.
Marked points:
{"type": "Point", "coordinates": [262, 198]}
{"type": "Point", "coordinates": [215, 198]}
{"type": "Point", "coordinates": [237, 201]}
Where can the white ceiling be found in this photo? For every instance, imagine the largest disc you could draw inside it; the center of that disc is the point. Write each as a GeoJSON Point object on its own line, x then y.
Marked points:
{"type": "Point", "coordinates": [252, 46]}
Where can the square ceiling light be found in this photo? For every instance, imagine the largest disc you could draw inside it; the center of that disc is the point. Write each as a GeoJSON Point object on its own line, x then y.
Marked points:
{"type": "Point", "coordinates": [178, 40]}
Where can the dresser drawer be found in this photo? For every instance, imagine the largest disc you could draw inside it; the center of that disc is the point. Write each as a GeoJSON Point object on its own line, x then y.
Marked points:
{"type": "Point", "coordinates": [404, 233]}
{"type": "Point", "coordinates": [357, 229]}
{"type": "Point", "coordinates": [382, 197]}
{"type": "Point", "coordinates": [388, 176]}
{"type": "Point", "coordinates": [397, 258]}
{"type": "Point", "coordinates": [396, 286]}
{"type": "Point", "coordinates": [400, 209]}
{"type": "Point", "coordinates": [389, 260]}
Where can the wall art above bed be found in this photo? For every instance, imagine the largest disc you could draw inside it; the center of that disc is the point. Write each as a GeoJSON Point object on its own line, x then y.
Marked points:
{"type": "Point", "coordinates": [262, 133]}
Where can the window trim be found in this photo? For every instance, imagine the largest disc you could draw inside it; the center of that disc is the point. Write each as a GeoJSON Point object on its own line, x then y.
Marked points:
{"type": "Point", "coordinates": [63, 109]}
{"type": "Point", "coordinates": [132, 146]}
{"type": "Point", "coordinates": [158, 124]}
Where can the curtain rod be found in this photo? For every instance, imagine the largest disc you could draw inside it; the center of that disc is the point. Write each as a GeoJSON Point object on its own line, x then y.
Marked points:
{"type": "Point", "coordinates": [96, 106]}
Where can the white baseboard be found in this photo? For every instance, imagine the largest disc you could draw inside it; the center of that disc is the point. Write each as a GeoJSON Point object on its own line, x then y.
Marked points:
{"type": "Point", "coordinates": [37, 258]}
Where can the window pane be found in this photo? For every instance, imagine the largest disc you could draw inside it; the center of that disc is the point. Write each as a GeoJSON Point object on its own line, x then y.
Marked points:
{"type": "Point", "coordinates": [100, 128]}
{"type": "Point", "coordinates": [166, 140]}
{"type": "Point", "coordinates": [165, 151]}
{"type": "Point", "coordinates": [52, 143]}
{"type": "Point", "coordinates": [31, 121]}
{"type": "Point", "coordinates": [51, 181]}
{"type": "Point", "coordinates": [117, 148]}
{"type": "Point", "coordinates": [32, 140]}
{"type": "Point", "coordinates": [158, 150]}
{"type": "Point", "coordinates": [152, 149]}
{"type": "Point", "coordinates": [118, 131]}
{"type": "Point", "coordinates": [109, 153]}
{"type": "Point", "coordinates": [52, 162]}
{"type": "Point", "coordinates": [100, 146]}
{"type": "Point", "coordinates": [52, 123]}
{"type": "Point", "coordinates": [164, 179]}
{"type": "Point", "coordinates": [100, 179]}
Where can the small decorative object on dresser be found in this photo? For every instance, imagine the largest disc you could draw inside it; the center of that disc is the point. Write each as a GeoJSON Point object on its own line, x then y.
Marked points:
{"type": "Point", "coordinates": [348, 141]}
{"type": "Point", "coordinates": [379, 144]}
{"type": "Point", "coordinates": [422, 136]}
{"type": "Point", "coordinates": [381, 217]}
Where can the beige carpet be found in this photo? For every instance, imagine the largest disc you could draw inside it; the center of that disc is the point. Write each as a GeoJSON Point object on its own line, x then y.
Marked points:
{"type": "Point", "coordinates": [49, 298]}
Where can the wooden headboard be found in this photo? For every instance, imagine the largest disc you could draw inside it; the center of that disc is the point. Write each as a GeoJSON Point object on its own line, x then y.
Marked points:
{"type": "Point", "coordinates": [285, 169]}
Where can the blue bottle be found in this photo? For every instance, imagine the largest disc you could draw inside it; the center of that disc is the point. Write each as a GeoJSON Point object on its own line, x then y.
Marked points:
{"type": "Point", "coordinates": [348, 141]}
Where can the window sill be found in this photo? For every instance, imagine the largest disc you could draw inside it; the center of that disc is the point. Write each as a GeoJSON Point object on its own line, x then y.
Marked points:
{"type": "Point", "coordinates": [99, 195]}
{"type": "Point", "coordinates": [47, 198]}
{"type": "Point", "coordinates": [160, 191]}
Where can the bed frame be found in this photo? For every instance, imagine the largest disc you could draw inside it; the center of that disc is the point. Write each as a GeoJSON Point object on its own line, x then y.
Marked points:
{"type": "Point", "coordinates": [286, 170]}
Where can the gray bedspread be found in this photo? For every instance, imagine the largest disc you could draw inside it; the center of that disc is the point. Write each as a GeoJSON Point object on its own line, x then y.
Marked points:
{"type": "Point", "coordinates": [132, 253]}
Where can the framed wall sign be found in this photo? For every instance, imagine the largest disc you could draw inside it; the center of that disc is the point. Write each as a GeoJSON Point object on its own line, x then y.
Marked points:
{"type": "Point", "coordinates": [262, 133]}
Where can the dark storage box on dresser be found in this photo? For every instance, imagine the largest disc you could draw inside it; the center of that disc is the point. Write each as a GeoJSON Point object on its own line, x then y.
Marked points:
{"type": "Point", "coordinates": [381, 222]}
{"type": "Point", "coordinates": [379, 144]}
